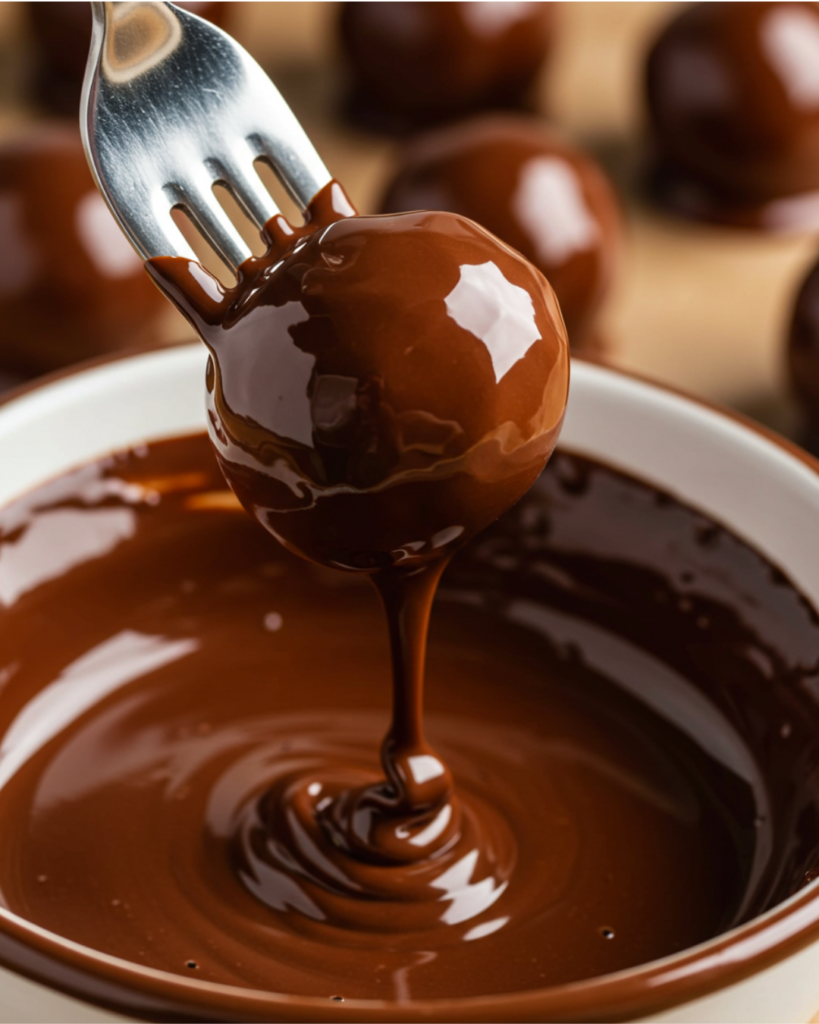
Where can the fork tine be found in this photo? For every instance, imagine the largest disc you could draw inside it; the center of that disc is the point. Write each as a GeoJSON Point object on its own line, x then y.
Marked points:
{"type": "Point", "coordinates": [294, 159]}
{"type": "Point", "coordinates": [165, 236]}
{"type": "Point", "coordinates": [204, 210]}
{"type": "Point", "coordinates": [247, 189]}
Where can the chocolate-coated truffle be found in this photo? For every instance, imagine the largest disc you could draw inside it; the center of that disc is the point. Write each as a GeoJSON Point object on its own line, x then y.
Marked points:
{"type": "Point", "coordinates": [71, 286]}
{"type": "Point", "coordinates": [733, 101]}
{"type": "Point", "coordinates": [803, 350]}
{"type": "Point", "coordinates": [62, 34]}
{"type": "Point", "coordinates": [383, 389]}
{"type": "Point", "coordinates": [534, 191]}
{"type": "Point", "coordinates": [413, 64]}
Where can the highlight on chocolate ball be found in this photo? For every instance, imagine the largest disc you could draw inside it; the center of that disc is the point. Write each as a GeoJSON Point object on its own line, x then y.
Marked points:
{"type": "Point", "coordinates": [409, 593]}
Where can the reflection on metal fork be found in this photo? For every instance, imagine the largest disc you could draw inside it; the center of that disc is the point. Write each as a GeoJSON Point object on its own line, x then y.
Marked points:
{"type": "Point", "coordinates": [171, 106]}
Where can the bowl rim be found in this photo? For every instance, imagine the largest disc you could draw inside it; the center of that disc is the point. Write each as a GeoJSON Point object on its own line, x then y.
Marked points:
{"type": "Point", "coordinates": [98, 978]}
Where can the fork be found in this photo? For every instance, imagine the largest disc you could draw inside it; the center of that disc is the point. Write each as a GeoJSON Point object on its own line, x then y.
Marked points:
{"type": "Point", "coordinates": [172, 105]}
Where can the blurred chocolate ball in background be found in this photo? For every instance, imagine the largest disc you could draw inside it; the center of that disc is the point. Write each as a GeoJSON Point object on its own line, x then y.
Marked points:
{"type": "Point", "coordinates": [415, 64]}
{"type": "Point", "coordinates": [62, 36]}
{"type": "Point", "coordinates": [803, 353]}
{"type": "Point", "coordinates": [71, 286]}
{"type": "Point", "coordinates": [536, 192]}
{"type": "Point", "coordinates": [733, 102]}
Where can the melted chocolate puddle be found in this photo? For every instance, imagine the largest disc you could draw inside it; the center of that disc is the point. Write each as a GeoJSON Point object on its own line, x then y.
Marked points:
{"type": "Point", "coordinates": [624, 693]}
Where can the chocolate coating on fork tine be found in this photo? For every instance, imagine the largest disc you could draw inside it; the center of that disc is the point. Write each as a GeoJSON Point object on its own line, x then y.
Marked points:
{"type": "Point", "coordinates": [171, 109]}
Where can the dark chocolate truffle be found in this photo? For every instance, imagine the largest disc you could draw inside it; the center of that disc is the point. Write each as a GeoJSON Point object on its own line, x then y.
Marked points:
{"type": "Point", "coordinates": [733, 101]}
{"type": "Point", "coordinates": [803, 351]}
{"type": "Point", "coordinates": [534, 191]}
{"type": "Point", "coordinates": [414, 64]}
{"type": "Point", "coordinates": [71, 286]}
{"type": "Point", "coordinates": [382, 390]}
{"type": "Point", "coordinates": [62, 34]}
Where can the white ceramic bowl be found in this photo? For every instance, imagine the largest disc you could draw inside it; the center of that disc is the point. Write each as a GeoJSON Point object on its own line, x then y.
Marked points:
{"type": "Point", "coordinates": [766, 490]}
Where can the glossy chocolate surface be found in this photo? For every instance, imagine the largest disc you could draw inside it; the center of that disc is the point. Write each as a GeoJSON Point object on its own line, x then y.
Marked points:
{"type": "Point", "coordinates": [71, 286]}
{"type": "Point", "coordinates": [413, 64]}
{"type": "Point", "coordinates": [539, 194]}
{"type": "Point", "coordinates": [733, 102]}
{"type": "Point", "coordinates": [62, 35]}
{"type": "Point", "coordinates": [625, 694]}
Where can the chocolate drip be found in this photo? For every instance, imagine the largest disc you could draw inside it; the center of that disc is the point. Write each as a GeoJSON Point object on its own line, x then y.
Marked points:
{"type": "Point", "coordinates": [411, 816]}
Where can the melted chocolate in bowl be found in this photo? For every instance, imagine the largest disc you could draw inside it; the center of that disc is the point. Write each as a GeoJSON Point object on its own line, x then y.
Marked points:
{"type": "Point", "coordinates": [622, 690]}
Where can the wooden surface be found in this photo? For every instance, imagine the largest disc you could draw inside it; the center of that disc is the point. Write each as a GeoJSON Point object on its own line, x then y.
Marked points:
{"type": "Point", "coordinates": [701, 308]}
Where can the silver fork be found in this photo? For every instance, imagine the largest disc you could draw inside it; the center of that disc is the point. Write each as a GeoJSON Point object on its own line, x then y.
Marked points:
{"type": "Point", "coordinates": [172, 105]}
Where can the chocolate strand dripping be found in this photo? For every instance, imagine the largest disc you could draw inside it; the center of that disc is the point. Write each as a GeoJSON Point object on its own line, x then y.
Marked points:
{"type": "Point", "coordinates": [411, 816]}
{"type": "Point", "coordinates": [407, 601]}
